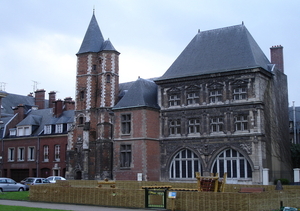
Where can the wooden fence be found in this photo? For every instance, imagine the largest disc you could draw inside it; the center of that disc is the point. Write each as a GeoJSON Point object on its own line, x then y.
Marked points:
{"type": "Point", "coordinates": [131, 195]}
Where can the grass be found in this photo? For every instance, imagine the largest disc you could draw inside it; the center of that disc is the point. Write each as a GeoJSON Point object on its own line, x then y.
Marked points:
{"type": "Point", "coordinates": [21, 195]}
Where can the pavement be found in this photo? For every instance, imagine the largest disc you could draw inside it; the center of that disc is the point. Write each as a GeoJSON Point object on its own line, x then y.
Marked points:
{"type": "Point", "coordinates": [72, 207]}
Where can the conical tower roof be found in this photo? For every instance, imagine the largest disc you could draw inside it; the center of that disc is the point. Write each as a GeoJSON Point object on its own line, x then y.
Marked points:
{"type": "Point", "coordinates": [93, 39]}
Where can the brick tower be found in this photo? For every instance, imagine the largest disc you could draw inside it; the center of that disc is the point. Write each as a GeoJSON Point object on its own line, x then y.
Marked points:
{"type": "Point", "coordinates": [90, 144]}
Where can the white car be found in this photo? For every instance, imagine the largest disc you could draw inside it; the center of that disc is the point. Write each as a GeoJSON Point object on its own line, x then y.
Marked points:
{"type": "Point", "coordinates": [53, 179]}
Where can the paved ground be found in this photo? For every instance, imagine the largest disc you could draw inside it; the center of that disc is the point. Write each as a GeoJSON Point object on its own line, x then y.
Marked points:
{"type": "Point", "coordinates": [72, 207]}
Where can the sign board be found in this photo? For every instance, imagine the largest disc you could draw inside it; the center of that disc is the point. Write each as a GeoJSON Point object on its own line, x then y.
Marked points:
{"type": "Point", "coordinates": [172, 195]}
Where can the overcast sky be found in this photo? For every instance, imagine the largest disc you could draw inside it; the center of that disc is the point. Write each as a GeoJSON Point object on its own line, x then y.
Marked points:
{"type": "Point", "coordinates": [39, 38]}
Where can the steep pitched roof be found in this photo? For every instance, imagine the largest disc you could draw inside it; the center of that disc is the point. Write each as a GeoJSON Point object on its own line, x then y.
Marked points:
{"type": "Point", "coordinates": [13, 100]}
{"type": "Point", "coordinates": [219, 50]}
{"type": "Point", "coordinates": [108, 46]}
{"type": "Point", "coordinates": [142, 93]}
{"type": "Point", "coordinates": [93, 38]}
{"type": "Point", "coordinates": [37, 118]}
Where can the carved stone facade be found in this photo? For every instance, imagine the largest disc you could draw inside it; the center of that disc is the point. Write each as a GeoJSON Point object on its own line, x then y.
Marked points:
{"type": "Point", "coordinates": [220, 107]}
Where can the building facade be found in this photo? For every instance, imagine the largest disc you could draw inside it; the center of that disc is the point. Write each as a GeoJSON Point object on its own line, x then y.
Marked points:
{"type": "Point", "coordinates": [222, 106]}
{"type": "Point", "coordinates": [34, 135]}
{"type": "Point", "coordinates": [90, 146]}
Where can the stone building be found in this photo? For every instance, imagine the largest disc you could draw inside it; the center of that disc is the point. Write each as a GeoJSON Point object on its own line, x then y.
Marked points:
{"type": "Point", "coordinates": [222, 106]}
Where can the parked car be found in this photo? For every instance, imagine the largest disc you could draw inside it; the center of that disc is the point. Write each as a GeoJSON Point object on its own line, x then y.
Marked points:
{"type": "Point", "coordinates": [23, 180]}
{"type": "Point", "coordinates": [7, 184]}
{"type": "Point", "coordinates": [35, 181]}
{"type": "Point", "coordinates": [53, 179]}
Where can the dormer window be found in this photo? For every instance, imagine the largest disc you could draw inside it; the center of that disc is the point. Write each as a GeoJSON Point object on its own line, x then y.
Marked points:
{"type": "Point", "coordinates": [24, 131]}
{"type": "Point", "coordinates": [59, 128]}
{"type": "Point", "coordinates": [12, 132]}
{"type": "Point", "coordinates": [47, 129]}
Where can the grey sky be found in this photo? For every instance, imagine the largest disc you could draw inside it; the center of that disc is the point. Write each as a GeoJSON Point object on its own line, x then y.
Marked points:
{"type": "Point", "coordinates": [39, 38]}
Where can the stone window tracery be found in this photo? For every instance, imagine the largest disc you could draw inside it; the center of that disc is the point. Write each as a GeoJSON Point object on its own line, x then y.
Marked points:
{"type": "Point", "coordinates": [184, 165]}
{"type": "Point", "coordinates": [234, 163]}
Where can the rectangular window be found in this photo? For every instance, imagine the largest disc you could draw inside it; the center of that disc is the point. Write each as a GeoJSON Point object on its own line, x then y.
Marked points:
{"type": "Point", "coordinates": [47, 129]}
{"type": "Point", "coordinates": [174, 100]}
{"type": "Point", "coordinates": [192, 98]}
{"type": "Point", "coordinates": [241, 122]}
{"type": "Point", "coordinates": [175, 127]}
{"type": "Point", "coordinates": [57, 153]}
{"type": "Point", "coordinates": [126, 123]}
{"type": "Point", "coordinates": [21, 153]}
{"type": "Point", "coordinates": [13, 132]}
{"type": "Point", "coordinates": [11, 154]}
{"type": "Point", "coordinates": [194, 126]}
{"type": "Point", "coordinates": [20, 131]}
{"type": "Point", "coordinates": [30, 154]}
{"type": "Point", "coordinates": [216, 124]}
{"type": "Point", "coordinates": [46, 153]}
{"type": "Point", "coordinates": [59, 128]}
{"type": "Point", "coordinates": [215, 96]}
{"type": "Point", "coordinates": [24, 131]}
{"type": "Point", "coordinates": [240, 93]}
{"type": "Point", "coordinates": [125, 155]}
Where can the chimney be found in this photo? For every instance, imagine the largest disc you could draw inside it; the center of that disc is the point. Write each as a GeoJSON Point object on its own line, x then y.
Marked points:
{"type": "Point", "coordinates": [277, 56]}
{"type": "Point", "coordinates": [58, 108]}
{"type": "Point", "coordinates": [20, 110]}
{"type": "Point", "coordinates": [40, 98]}
{"type": "Point", "coordinates": [52, 98]}
{"type": "Point", "coordinates": [69, 104]}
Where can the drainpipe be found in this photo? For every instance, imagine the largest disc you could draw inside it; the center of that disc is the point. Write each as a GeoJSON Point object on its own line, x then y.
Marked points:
{"type": "Point", "coordinates": [112, 143]}
{"type": "Point", "coordinates": [38, 154]}
{"type": "Point", "coordinates": [1, 158]}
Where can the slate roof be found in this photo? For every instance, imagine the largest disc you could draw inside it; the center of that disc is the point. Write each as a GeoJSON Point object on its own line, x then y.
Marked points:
{"type": "Point", "coordinates": [219, 50]}
{"type": "Point", "coordinates": [37, 118]}
{"type": "Point", "coordinates": [93, 40]}
{"type": "Point", "coordinates": [13, 100]}
{"type": "Point", "coordinates": [66, 117]}
{"type": "Point", "coordinates": [141, 93]}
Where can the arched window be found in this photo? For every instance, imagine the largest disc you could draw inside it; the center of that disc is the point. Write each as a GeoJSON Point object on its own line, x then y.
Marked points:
{"type": "Point", "coordinates": [184, 165]}
{"type": "Point", "coordinates": [234, 163]}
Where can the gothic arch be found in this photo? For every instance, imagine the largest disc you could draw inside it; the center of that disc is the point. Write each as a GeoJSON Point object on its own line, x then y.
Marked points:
{"type": "Point", "coordinates": [232, 160]}
{"type": "Point", "coordinates": [183, 164]}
